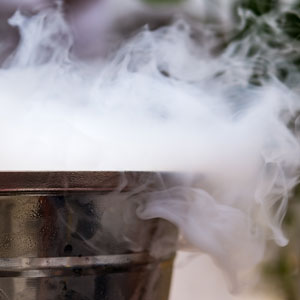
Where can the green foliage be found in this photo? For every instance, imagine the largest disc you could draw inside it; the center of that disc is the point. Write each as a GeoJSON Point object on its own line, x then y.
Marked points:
{"type": "Point", "coordinates": [259, 7]}
{"type": "Point", "coordinates": [290, 24]}
{"type": "Point", "coordinates": [270, 39]}
{"type": "Point", "coordinates": [282, 270]}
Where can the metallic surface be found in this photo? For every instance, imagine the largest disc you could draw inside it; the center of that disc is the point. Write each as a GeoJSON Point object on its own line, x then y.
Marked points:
{"type": "Point", "coordinates": [66, 181]}
{"type": "Point", "coordinates": [69, 235]}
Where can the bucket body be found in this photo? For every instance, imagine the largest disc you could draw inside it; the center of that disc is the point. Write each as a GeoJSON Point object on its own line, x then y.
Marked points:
{"type": "Point", "coordinates": [76, 236]}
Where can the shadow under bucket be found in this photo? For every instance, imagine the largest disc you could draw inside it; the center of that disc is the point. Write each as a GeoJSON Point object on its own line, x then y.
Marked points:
{"type": "Point", "coordinates": [76, 236]}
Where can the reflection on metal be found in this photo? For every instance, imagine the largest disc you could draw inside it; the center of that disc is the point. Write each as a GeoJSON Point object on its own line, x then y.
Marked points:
{"type": "Point", "coordinates": [76, 236]}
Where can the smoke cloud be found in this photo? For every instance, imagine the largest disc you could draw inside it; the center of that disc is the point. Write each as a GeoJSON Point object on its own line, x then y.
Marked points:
{"type": "Point", "coordinates": [159, 100]}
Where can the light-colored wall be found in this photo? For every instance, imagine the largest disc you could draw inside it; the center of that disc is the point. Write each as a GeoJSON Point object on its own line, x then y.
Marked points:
{"type": "Point", "coordinates": [197, 278]}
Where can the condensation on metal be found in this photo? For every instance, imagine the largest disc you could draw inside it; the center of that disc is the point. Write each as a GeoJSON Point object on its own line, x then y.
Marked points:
{"type": "Point", "coordinates": [69, 235]}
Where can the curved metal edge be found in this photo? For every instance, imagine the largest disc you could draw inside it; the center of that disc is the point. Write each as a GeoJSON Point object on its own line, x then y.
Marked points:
{"type": "Point", "coordinates": [83, 181]}
{"type": "Point", "coordinates": [77, 266]}
{"type": "Point", "coordinates": [44, 182]}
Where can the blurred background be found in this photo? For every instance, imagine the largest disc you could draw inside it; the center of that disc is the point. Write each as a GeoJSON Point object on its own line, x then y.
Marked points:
{"type": "Point", "coordinates": [196, 277]}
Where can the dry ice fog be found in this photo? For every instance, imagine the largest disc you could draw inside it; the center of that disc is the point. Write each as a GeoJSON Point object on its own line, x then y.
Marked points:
{"type": "Point", "coordinates": [84, 87]}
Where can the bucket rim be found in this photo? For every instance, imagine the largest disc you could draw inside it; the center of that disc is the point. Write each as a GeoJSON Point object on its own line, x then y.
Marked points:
{"type": "Point", "coordinates": [71, 181]}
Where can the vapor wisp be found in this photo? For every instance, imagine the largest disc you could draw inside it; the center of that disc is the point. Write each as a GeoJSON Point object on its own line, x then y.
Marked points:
{"type": "Point", "coordinates": [158, 101]}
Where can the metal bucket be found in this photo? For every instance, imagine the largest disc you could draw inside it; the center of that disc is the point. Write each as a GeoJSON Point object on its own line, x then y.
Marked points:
{"type": "Point", "coordinates": [76, 236]}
